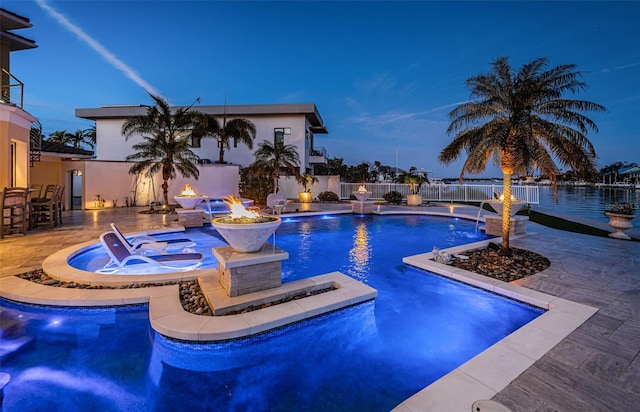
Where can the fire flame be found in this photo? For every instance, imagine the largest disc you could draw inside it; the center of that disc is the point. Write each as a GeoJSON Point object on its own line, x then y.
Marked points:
{"type": "Point", "coordinates": [188, 191]}
{"type": "Point", "coordinates": [238, 210]}
{"type": "Point", "coordinates": [362, 189]}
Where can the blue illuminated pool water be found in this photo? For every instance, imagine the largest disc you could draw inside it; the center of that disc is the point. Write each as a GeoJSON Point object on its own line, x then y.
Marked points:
{"type": "Point", "coordinates": [368, 357]}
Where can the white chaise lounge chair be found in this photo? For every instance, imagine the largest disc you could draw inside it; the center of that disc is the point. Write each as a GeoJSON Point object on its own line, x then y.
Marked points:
{"type": "Point", "coordinates": [121, 257]}
{"type": "Point", "coordinates": [277, 203]}
{"type": "Point", "coordinates": [144, 243]}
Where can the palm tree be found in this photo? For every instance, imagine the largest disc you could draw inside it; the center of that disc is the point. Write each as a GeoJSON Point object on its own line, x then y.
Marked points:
{"type": "Point", "coordinates": [615, 168]}
{"type": "Point", "coordinates": [80, 138]}
{"type": "Point", "coordinates": [59, 136]}
{"type": "Point", "coordinates": [77, 139]}
{"type": "Point", "coordinates": [166, 143]}
{"type": "Point", "coordinates": [271, 158]}
{"type": "Point", "coordinates": [240, 130]}
{"type": "Point", "coordinates": [90, 136]}
{"type": "Point", "coordinates": [522, 121]}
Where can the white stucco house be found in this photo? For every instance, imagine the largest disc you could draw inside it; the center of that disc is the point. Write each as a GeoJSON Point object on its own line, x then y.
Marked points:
{"type": "Point", "coordinates": [106, 175]}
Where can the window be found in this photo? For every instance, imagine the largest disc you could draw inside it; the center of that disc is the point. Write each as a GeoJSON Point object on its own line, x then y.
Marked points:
{"type": "Point", "coordinates": [279, 134]}
{"type": "Point", "coordinates": [194, 141]}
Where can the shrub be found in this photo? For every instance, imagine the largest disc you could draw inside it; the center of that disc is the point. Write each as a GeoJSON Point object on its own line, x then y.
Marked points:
{"type": "Point", "coordinates": [622, 208]}
{"type": "Point", "coordinates": [393, 197]}
{"type": "Point", "coordinates": [256, 188]}
{"type": "Point", "coordinates": [328, 196]}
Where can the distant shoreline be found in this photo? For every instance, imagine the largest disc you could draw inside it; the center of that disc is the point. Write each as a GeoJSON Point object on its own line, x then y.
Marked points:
{"type": "Point", "coordinates": [447, 180]}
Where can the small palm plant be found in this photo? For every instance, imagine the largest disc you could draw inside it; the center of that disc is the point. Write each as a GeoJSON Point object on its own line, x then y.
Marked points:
{"type": "Point", "coordinates": [412, 178]}
{"type": "Point", "coordinates": [306, 181]}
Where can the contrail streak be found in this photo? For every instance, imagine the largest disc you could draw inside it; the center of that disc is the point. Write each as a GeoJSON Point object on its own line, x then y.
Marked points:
{"type": "Point", "coordinates": [99, 48]}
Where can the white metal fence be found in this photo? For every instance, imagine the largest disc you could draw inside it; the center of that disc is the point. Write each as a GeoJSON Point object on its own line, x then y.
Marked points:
{"type": "Point", "coordinates": [444, 192]}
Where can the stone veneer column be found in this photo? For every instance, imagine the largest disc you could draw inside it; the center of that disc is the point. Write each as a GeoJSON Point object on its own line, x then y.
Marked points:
{"type": "Point", "coordinates": [518, 226]}
{"type": "Point", "coordinates": [190, 217]}
{"type": "Point", "coordinates": [359, 207]}
{"type": "Point", "coordinates": [241, 273]}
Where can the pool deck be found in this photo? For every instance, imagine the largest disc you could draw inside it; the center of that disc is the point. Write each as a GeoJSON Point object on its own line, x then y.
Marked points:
{"type": "Point", "coordinates": [594, 367]}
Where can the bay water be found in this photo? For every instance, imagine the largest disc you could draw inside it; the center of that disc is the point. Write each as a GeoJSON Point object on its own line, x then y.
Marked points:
{"type": "Point", "coordinates": [586, 201]}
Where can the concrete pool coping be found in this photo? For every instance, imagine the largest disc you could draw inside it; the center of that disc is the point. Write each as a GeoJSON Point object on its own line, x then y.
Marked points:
{"type": "Point", "coordinates": [489, 372]}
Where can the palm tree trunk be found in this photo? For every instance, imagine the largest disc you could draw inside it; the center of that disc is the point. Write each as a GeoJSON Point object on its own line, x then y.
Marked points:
{"type": "Point", "coordinates": [505, 250]}
{"type": "Point", "coordinates": [221, 156]}
{"type": "Point", "coordinates": [165, 191]}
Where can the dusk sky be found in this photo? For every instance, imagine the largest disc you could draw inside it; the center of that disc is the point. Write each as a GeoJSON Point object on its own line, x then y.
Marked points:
{"type": "Point", "coordinates": [384, 75]}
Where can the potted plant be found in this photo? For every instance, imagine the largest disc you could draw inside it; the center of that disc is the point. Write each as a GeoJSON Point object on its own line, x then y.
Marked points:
{"type": "Point", "coordinates": [415, 181]}
{"type": "Point", "coordinates": [306, 181]}
{"type": "Point", "coordinates": [620, 216]}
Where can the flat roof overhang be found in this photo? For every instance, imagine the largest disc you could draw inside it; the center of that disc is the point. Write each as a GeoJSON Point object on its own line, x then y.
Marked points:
{"type": "Point", "coordinates": [12, 21]}
{"type": "Point", "coordinates": [319, 130]}
{"type": "Point", "coordinates": [124, 112]}
{"type": "Point", "coordinates": [16, 42]}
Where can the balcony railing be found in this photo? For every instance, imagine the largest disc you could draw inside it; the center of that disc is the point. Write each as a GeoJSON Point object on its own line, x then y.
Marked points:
{"type": "Point", "coordinates": [12, 89]}
{"type": "Point", "coordinates": [35, 144]}
{"type": "Point", "coordinates": [318, 155]}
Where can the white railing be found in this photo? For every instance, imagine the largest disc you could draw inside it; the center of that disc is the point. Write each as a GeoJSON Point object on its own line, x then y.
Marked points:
{"type": "Point", "coordinates": [444, 192]}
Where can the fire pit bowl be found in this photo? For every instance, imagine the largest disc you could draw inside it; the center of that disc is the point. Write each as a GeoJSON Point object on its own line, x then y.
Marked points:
{"type": "Point", "coordinates": [188, 198]}
{"type": "Point", "coordinates": [246, 237]}
{"type": "Point", "coordinates": [188, 202]}
{"type": "Point", "coordinates": [244, 230]}
{"type": "Point", "coordinates": [362, 194]}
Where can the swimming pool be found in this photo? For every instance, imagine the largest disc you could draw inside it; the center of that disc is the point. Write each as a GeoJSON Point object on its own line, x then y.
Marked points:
{"type": "Point", "coordinates": [368, 357]}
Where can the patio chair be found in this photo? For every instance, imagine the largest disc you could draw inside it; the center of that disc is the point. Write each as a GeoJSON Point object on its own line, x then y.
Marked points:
{"type": "Point", "coordinates": [36, 190]}
{"type": "Point", "coordinates": [277, 203]}
{"type": "Point", "coordinates": [58, 205]}
{"type": "Point", "coordinates": [120, 257]}
{"type": "Point", "coordinates": [45, 195]}
{"type": "Point", "coordinates": [15, 210]}
{"type": "Point", "coordinates": [46, 210]}
{"type": "Point", "coordinates": [144, 243]}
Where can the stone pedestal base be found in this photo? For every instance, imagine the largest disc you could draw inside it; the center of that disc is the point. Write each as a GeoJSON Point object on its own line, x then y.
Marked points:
{"type": "Point", "coordinates": [518, 225]}
{"type": "Point", "coordinates": [241, 273]}
{"type": "Point", "coordinates": [190, 217]}
{"type": "Point", "coordinates": [359, 207]}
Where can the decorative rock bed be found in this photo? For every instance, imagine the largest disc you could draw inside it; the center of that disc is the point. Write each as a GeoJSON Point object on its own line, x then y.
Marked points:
{"type": "Point", "coordinates": [191, 296]}
{"type": "Point", "coordinates": [38, 276]}
{"type": "Point", "coordinates": [488, 262]}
